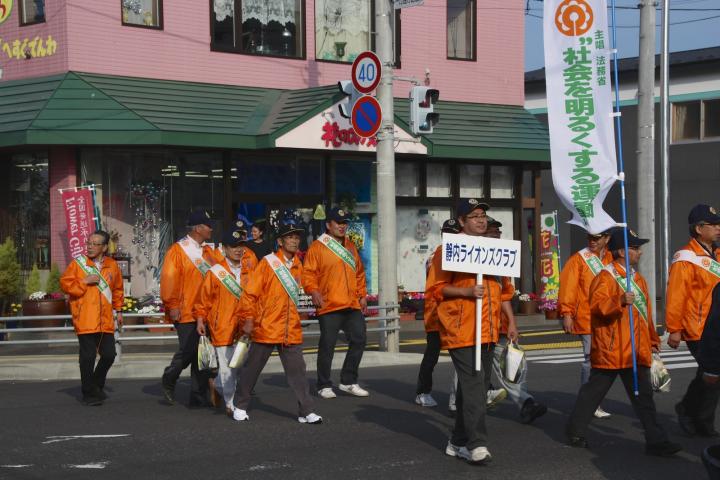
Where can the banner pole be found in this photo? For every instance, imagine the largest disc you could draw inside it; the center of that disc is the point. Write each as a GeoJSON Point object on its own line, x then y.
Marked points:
{"type": "Point", "coordinates": [623, 200]}
{"type": "Point", "coordinates": [478, 328]}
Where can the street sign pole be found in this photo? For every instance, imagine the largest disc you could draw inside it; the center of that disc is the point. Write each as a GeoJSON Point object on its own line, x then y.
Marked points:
{"type": "Point", "coordinates": [386, 216]}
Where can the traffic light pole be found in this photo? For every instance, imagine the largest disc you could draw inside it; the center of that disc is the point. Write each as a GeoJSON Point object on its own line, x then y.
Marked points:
{"type": "Point", "coordinates": [387, 232]}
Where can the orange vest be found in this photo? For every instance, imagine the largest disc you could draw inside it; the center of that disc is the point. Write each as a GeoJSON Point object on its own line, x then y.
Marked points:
{"type": "Point", "coordinates": [430, 318]}
{"type": "Point", "coordinates": [91, 312]}
{"type": "Point", "coordinates": [180, 281]}
{"type": "Point", "coordinates": [276, 319]}
{"type": "Point", "coordinates": [219, 308]}
{"type": "Point", "coordinates": [611, 347]}
{"type": "Point", "coordinates": [341, 286]}
{"type": "Point", "coordinates": [574, 294]}
{"type": "Point", "coordinates": [689, 295]}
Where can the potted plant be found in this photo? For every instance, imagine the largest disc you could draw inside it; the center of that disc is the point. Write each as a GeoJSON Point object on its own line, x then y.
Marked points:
{"type": "Point", "coordinates": [10, 281]}
{"type": "Point", "coordinates": [528, 303]}
{"type": "Point", "coordinates": [549, 306]}
{"type": "Point", "coordinates": [40, 302]}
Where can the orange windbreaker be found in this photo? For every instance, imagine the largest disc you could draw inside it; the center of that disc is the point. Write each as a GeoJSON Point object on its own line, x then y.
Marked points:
{"type": "Point", "coordinates": [180, 281]}
{"type": "Point", "coordinates": [507, 295]}
{"type": "Point", "coordinates": [574, 294]}
{"type": "Point", "coordinates": [341, 286]}
{"type": "Point", "coordinates": [265, 301]}
{"type": "Point", "coordinates": [689, 295]}
{"type": "Point", "coordinates": [432, 324]}
{"type": "Point", "coordinates": [91, 312]}
{"type": "Point", "coordinates": [457, 315]}
{"type": "Point", "coordinates": [249, 260]}
{"type": "Point", "coordinates": [611, 347]}
{"type": "Point", "coordinates": [219, 308]}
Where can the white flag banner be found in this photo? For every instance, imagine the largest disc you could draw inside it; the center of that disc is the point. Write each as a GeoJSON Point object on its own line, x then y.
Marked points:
{"type": "Point", "coordinates": [579, 102]}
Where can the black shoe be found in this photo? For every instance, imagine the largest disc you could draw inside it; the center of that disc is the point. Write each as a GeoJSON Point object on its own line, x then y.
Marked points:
{"type": "Point", "coordinates": [663, 449]}
{"type": "Point", "coordinates": [686, 423]}
{"type": "Point", "coordinates": [577, 442]}
{"type": "Point", "coordinates": [198, 403]}
{"type": "Point", "coordinates": [101, 394]}
{"type": "Point", "coordinates": [168, 394]}
{"type": "Point", "coordinates": [531, 410]}
{"type": "Point", "coordinates": [92, 401]}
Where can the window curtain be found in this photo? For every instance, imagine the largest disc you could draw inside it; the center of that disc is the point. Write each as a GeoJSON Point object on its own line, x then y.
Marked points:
{"type": "Point", "coordinates": [266, 11]}
{"type": "Point", "coordinates": [459, 28]}
{"type": "Point", "coordinates": [341, 27]}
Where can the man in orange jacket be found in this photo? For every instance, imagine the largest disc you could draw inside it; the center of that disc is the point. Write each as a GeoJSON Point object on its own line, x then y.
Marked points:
{"type": "Point", "coordinates": [694, 273]}
{"type": "Point", "coordinates": [95, 286]}
{"type": "Point", "coordinates": [269, 309]}
{"type": "Point", "coordinates": [334, 276]}
{"type": "Point", "coordinates": [456, 294]}
{"type": "Point", "coordinates": [217, 311]}
{"type": "Point", "coordinates": [432, 335]}
{"type": "Point", "coordinates": [574, 296]}
{"type": "Point", "coordinates": [611, 353]}
{"type": "Point", "coordinates": [184, 267]}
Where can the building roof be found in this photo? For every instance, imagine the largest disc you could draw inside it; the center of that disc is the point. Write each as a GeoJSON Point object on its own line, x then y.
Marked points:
{"type": "Point", "coordinates": [90, 109]}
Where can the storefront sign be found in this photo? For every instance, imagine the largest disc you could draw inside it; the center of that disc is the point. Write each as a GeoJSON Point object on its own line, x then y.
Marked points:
{"type": "Point", "coordinates": [336, 137]}
{"type": "Point", "coordinates": [397, 4]}
{"type": "Point", "coordinates": [582, 141]}
{"type": "Point", "coordinates": [29, 47]}
{"type": "Point", "coordinates": [5, 9]}
{"type": "Point", "coordinates": [79, 213]}
{"type": "Point", "coordinates": [549, 257]}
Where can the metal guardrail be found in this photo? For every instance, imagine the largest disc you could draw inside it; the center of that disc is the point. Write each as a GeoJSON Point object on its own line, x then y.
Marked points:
{"type": "Point", "coordinates": [388, 324]}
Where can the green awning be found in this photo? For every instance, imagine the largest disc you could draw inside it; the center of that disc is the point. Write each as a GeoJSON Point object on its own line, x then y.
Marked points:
{"type": "Point", "coordinates": [89, 109]}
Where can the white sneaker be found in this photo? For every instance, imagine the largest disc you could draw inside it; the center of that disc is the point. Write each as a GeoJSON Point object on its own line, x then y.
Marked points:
{"type": "Point", "coordinates": [425, 400]}
{"type": "Point", "coordinates": [240, 415]}
{"type": "Point", "coordinates": [600, 413]}
{"type": "Point", "coordinates": [354, 389]}
{"type": "Point", "coordinates": [312, 419]}
{"type": "Point", "coordinates": [326, 393]}
{"type": "Point", "coordinates": [495, 396]}
{"type": "Point", "coordinates": [452, 450]}
{"type": "Point", "coordinates": [476, 456]}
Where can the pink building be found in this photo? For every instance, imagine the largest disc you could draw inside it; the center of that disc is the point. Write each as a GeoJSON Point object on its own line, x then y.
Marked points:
{"type": "Point", "coordinates": [231, 106]}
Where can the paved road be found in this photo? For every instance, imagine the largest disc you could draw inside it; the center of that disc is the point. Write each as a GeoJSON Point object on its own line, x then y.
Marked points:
{"type": "Point", "coordinates": [383, 436]}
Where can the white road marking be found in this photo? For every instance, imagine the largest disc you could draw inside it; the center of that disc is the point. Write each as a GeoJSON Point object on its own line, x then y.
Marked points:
{"type": "Point", "coordinates": [96, 465]}
{"type": "Point", "coordinates": [551, 357]}
{"type": "Point", "coordinates": [15, 466]}
{"type": "Point", "coordinates": [65, 438]}
{"type": "Point", "coordinates": [671, 366]}
{"type": "Point", "coordinates": [268, 466]}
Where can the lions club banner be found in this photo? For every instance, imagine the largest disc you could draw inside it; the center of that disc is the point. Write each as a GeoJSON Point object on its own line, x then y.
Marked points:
{"type": "Point", "coordinates": [80, 218]}
{"type": "Point", "coordinates": [577, 76]}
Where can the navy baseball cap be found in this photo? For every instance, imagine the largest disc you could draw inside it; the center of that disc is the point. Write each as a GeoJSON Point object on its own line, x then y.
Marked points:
{"type": "Point", "coordinates": [617, 239]}
{"type": "Point", "coordinates": [288, 228]}
{"type": "Point", "coordinates": [493, 223]}
{"type": "Point", "coordinates": [233, 238]}
{"type": "Point", "coordinates": [703, 214]}
{"type": "Point", "coordinates": [451, 226]}
{"type": "Point", "coordinates": [240, 225]}
{"type": "Point", "coordinates": [338, 215]}
{"type": "Point", "coordinates": [200, 217]}
{"type": "Point", "coordinates": [467, 205]}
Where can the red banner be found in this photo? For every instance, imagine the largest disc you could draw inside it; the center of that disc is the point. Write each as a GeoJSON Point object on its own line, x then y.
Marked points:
{"type": "Point", "coordinates": [79, 213]}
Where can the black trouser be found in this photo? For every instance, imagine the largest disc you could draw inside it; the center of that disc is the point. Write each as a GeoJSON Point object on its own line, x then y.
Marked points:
{"type": "Point", "coordinates": [294, 365]}
{"type": "Point", "coordinates": [430, 359]}
{"type": "Point", "coordinates": [92, 376]}
{"type": "Point", "coordinates": [470, 430]}
{"type": "Point", "coordinates": [701, 400]}
{"type": "Point", "coordinates": [597, 386]}
{"type": "Point", "coordinates": [352, 323]}
{"type": "Point", "coordinates": [188, 339]}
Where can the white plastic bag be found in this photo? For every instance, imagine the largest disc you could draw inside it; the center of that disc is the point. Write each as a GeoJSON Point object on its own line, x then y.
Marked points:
{"type": "Point", "coordinates": [240, 353]}
{"type": "Point", "coordinates": [514, 356]}
{"type": "Point", "coordinates": [659, 376]}
{"type": "Point", "coordinates": [207, 358]}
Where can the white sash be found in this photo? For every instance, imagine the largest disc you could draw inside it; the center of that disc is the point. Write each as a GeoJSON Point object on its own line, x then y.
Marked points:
{"type": "Point", "coordinates": [286, 279]}
{"type": "Point", "coordinates": [192, 254]}
{"type": "Point", "coordinates": [102, 284]}
{"type": "Point", "coordinates": [227, 279]}
{"type": "Point", "coordinates": [592, 261]}
{"type": "Point", "coordinates": [706, 263]}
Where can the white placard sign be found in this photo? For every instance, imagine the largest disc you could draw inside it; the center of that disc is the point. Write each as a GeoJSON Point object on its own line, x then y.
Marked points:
{"type": "Point", "coordinates": [398, 4]}
{"type": "Point", "coordinates": [481, 256]}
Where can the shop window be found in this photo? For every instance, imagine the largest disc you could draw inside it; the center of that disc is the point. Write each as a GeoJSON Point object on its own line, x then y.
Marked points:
{"type": "Point", "coordinates": [418, 234]}
{"type": "Point", "coordinates": [142, 13]}
{"type": "Point", "coordinates": [407, 179]}
{"type": "Point", "coordinates": [354, 181]}
{"type": "Point", "coordinates": [504, 215]}
{"type": "Point", "coordinates": [279, 175]}
{"type": "Point", "coordinates": [501, 182]}
{"type": "Point", "coordinates": [438, 180]}
{"type": "Point", "coordinates": [697, 120]}
{"type": "Point", "coordinates": [461, 35]}
{"type": "Point", "coordinates": [472, 178]}
{"type": "Point", "coordinates": [712, 118]}
{"type": "Point", "coordinates": [259, 27]}
{"type": "Point", "coordinates": [24, 214]}
{"type": "Point", "coordinates": [32, 11]}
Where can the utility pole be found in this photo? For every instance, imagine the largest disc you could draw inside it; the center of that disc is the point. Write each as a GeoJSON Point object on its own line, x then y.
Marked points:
{"type": "Point", "coordinates": [646, 144]}
{"type": "Point", "coordinates": [387, 231]}
{"type": "Point", "coordinates": [665, 147]}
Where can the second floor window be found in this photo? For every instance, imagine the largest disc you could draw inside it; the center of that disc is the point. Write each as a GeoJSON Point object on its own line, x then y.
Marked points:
{"type": "Point", "coordinates": [342, 29]}
{"type": "Point", "coordinates": [259, 27]}
{"type": "Point", "coordinates": [696, 120]}
{"type": "Point", "coordinates": [142, 13]}
{"type": "Point", "coordinates": [32, 11]}
{"type": "Point", "coordinates": [461, 35]}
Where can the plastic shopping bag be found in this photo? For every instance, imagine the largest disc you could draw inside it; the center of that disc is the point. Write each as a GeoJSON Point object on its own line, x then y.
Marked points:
{"type": "Point", "coordinates": [514, 361]}
{"type": "Point", "coordinates": [207, 358]}
{"type": "Point", "coordinates": [659, 376]}
{"type": "Point", "coordinates": [240, 353]}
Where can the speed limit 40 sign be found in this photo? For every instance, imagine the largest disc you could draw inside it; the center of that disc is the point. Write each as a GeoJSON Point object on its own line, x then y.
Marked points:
{"type": "Point", "coordinates": [366, 72]}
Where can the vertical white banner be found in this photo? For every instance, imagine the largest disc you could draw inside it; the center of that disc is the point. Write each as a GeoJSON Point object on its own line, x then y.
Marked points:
{"type": "Point", "coordinates": [579, 101]}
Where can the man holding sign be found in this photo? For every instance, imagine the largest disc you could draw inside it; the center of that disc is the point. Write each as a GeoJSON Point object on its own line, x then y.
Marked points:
{"type": "Point", "coordinates": [458, 294]}
{"type": "Point", "coordinates": [95, 286]}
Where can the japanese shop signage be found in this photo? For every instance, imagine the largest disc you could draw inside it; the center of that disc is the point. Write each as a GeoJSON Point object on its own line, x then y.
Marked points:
{"type": "Point", "coordinates": [27, 48]}
{"type": "Point", "coordinates": [549, 257]}
{"type": "Point", "coordinates": [582, 140]}
{"type": "Point", "coordinates": [79, 217]}
{"type": "Point", "coordinates": [489, 256]}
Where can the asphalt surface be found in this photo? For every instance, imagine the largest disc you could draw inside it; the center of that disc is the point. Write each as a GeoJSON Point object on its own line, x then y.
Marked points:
{"type": "Point", "coordinates": [384, 436]}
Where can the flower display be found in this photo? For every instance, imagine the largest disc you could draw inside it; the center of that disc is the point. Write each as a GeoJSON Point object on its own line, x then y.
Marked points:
{"type": "Point", "coordinates": [39, 295]}
{"type": "Point", "coordinates": [527, 297]}
{"type": "Point", "coordinates": [548, 304]}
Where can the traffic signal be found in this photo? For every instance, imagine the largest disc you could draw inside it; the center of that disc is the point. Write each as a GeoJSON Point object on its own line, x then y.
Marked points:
{"type": "Point", "coordinates": [347, 88]}
{"type": "Point", "coordinates": [422, 117]}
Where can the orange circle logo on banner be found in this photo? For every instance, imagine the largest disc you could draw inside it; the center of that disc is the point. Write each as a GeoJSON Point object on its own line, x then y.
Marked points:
{"type": "Point", "coordinates": [574, 17]}
{"type": "Point", "coordinates": [706, 262]}
{"type": "Point", "coordinates": [5, 9]}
